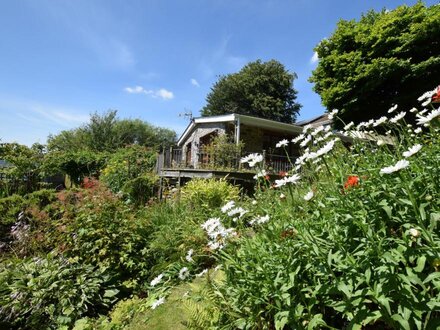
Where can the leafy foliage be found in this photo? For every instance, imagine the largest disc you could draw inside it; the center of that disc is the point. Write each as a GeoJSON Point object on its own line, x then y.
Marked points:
{"type": "Point", "coordinates": [127, 164]}
{"type": "Point", "coordinates": [107, 133]}
{"type": "Point", "coordinates": [23, 173]}
{"type": "Point", "coordinates": [385, 58]}
{"type": "Point", "coordinates": [358, 253]}
{"type": "Point", "coordinates": [76, 164]}
{"type": "Point", "coordinates": [223, 153]}
{"type": "Point", "coordinates": [208, 193]}
{"type": "Point", "coordinates": [260, 89]}
{"type": "Point", "coordinates": [52, 291]}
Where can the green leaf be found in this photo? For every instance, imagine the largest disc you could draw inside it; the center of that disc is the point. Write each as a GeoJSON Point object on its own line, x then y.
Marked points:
{"type": "Point", "coordinates": [110, 293]}
{"type": "Point", "coordinates": [403, 323]}
{"type": "Point", "coordinates": [420, 264]}
{"type": "Point", "coordinates": [281, 319]}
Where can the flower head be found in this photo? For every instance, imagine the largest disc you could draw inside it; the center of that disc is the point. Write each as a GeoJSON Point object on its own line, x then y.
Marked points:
{"type": "Point", "coordinates": [156, 280]}
{"type": "Point", "coordinates": [392, 109]}
{"type": "Point", "coordinates": [229, 205]}
{"type": "Point", "coordinates": [282, 143]}
{"type": "Point", "coordinates": [399, 116]}
{"type": "Point", "coordinates": [157, 302]}
{"type": "Point", "coordinates": [308, 196]}
{"type": "Point", "coordinates": [352, 180]}
{"type": "Point", "coordinates": [188, 256]}
{"type": "Point", "coordinates": [413, 150]}
{"type": "Point", "coordinates": [183, 273]}
{"type": "Point", "coordinates": [414, 232]}
{"type": "Point", "coordinates": [401, 164]}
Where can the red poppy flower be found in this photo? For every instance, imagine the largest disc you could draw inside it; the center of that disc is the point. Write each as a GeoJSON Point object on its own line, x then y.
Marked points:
{"type": "Point", "coordinates": [436, 97]}
{"type": "Point", "coordinates": [352, 180]}
{"type": "Point", "coordinates": [282, 173]}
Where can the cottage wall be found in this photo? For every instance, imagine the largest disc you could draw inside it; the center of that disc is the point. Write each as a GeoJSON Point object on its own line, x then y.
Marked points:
{"type": "Point", "coordinates": [194, 139]}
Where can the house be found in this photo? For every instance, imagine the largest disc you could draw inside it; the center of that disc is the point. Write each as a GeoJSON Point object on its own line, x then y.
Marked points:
{"type": "Point", "coordinates": [256, 135]}
{"type": "Point", "coordinates": [190, 158]}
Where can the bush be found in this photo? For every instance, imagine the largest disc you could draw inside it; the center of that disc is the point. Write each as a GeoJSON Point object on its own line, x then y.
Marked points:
{"type": "Point", "coordinates": [52, 291]}
{"type": "Point", "coordinates": [139, 190]}
{"type": "Point", "coordinates": [127, 164]}
{"type": "Point", "coordinates": [352, 243]}
{"type": "Point", "coordinates": [208, 193]}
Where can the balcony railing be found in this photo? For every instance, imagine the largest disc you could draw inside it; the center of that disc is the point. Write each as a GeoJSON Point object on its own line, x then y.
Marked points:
{"type": "Point", "coordinates": [173, 159]}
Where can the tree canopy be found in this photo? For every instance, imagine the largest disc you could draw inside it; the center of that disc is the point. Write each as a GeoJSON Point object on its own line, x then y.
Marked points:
{"type": "Point", "coordinates": [385, 58]}
{"type": "Point", "coordinates": [260, 89]}
{"type": "Point", "coordinates": [107, 133]}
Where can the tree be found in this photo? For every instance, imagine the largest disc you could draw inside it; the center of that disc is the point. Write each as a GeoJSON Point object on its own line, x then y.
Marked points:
{"type": "Point", "coordinates": [260, 89]}
{"type": "Point", "coordinates": [106, 133]}
{"type": "Point", "coordinates": [23, 172]}
{"type": "Point", "coordinates": [385, 58]}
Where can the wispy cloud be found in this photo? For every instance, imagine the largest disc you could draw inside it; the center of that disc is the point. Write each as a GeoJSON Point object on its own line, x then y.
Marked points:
{"type": "Point", "coordinates": [28, 121]}
{"type": "Point", "coordinates": [160, 93]}
{"type": "Point", "coordinates": [195, 82]}
{"type": "Point", "coordinates": [93, 26]}
{"type": "Point", "coordinates": [314, 59]}
{"type": "Point", "coordinates": [221, 58]}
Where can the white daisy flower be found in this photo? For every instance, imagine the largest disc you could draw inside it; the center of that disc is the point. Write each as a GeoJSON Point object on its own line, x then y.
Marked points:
{"type": "Point", "coordinates": [348, 126]}
{"type": "Point", "coordinates": [399, 116]}
{"type": "Point", "coordinates": [260, 174]}
{"type": "Point", "coordinates": [229, 205]}
{"type": "Point", "coordinates": [282, 143]}
{"type": "Point", "coordinates": [427, 95]}
{"type": "Point", "coordinates": [401, 164]}
{"type": "Point", "coordinates": [183, 273]}
{"type": "Point", "coordinates": [156, 280]}
{"type": "Point", "coordinates": [380, 121]}
{"type": "Point", "coordinates": [332, 114]}
{"type": "Point", "coordinates": [203, 272]}
{"type": "Point", "coordinates": [306, 128]}
{"type": "Point", "coordinates": [298, 138]}
{"type": "Point", "coordinates": [306, 141]}
{"type": "Point", "coordinates": [413, 150]}
{"type": "Point", "coordinates": [308, 196]}
{"type": "Point", "coordinates": [188, 256]}
{"type": "Point", "coordinates": [425, 120]}
{"type": "Point", "coordinates": [157, 302]}
{"type": "Point", "coordinates": [392, 109]}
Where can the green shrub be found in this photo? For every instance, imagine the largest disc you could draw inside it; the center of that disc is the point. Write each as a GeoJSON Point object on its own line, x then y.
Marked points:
{"type": "Point", "coordinates": [10, 207]}
{"type": "Point", "coordinates": [52, 291]}
{"type": "Point", "coordinates": [139, 190]}
{"type": "Point", "coordinates": [362, 250]}
{"type": "Point", "coordinates": [208, 193]}
{"type": "Point", "coordinates": [127, 164]}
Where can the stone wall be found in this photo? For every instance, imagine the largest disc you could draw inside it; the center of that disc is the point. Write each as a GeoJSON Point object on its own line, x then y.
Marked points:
{"type": "Point", "coordinates": [194, 139]}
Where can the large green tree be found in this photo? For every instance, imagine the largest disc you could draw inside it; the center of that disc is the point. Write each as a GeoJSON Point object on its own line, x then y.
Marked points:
{"type": "Point", "coordinates": [260, 89]}
{"type": "Point", "coordinates": [385, 58]}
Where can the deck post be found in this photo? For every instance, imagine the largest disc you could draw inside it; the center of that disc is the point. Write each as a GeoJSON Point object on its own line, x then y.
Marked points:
{"type": "Point", "coordinates": [237, 131]}
{"type": "Point", "coordinates": [171, 157]}
{"type": "Point", "coordinates": [264, 159]}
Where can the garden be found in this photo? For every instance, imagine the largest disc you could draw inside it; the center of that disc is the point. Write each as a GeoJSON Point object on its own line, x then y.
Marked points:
{"type": "Point", "coordinates": [349, 239]}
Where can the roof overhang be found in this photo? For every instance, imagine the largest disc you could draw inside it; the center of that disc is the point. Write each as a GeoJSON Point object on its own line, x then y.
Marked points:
{"type": "Point", "coordinates": [245, 120]}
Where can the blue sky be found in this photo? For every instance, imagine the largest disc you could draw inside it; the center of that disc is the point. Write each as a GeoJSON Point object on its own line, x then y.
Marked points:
{"type": "Point", "coordinates": [61, 60]}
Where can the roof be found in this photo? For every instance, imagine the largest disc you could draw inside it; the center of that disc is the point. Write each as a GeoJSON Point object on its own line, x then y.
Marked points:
{"type": "Point", "coordinates": [316, 121]}
{"type": "Point", "coordinates": [243, 119]}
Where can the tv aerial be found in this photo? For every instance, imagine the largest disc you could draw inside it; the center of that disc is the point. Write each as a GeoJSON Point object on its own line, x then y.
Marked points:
{"type": "Point", "coordinates": [187, 114]}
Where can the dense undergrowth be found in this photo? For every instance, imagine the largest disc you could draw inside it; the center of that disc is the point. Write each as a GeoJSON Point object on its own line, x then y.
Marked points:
{"type": "Point", "coordinates": [348, 239]}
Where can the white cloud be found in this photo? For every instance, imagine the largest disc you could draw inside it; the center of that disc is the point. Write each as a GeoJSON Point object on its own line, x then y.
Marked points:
{"type": "Point", "coordinates": [195, 82]}
{"type": "Point", "coordinates": [164, 94]}
{"type": "Point", "coordinates": [161, 93]}
{"type": "Point", "coordinates": [314, 58]}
